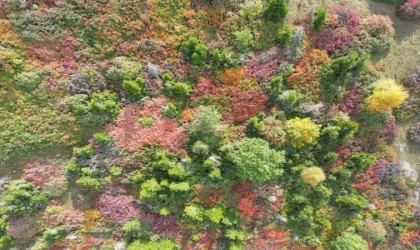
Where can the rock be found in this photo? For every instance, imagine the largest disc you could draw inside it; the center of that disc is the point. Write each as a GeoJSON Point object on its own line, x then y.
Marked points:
{"type": "Point", "coordinates": [272, 198]}
{"type": "Point", "coordinates": [281, 219]}
{"type": "Point", "coordinates": [408, 170]}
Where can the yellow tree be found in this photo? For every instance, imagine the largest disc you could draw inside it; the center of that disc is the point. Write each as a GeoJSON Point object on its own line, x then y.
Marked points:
{"type": "Point", "coordinates": [312, 175]}
{"type": "Point", "coordinates": [386, 96]}
{"type": "Point", "coordinates": [301, 131]}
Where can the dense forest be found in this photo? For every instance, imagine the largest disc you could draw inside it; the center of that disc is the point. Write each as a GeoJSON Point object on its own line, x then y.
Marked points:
{"type": "Point", "coordinates": [209, 124]}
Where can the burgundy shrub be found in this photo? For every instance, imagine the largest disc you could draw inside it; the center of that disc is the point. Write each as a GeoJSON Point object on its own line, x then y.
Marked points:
{"type": "Point", "coordinates": [39, 173]}
{"type": "Point", "coordinates": [263, 66]}
{"type": "Point", "coordinates": [414, 133]}
{"type": "Point", "coordinates": [352, 101]}
{"type": "Point", "coordinates": [120, 208]}
{"type": "Point", "coordinates": [341, 29]}
{"type": "Point", "coordinates": [410, 10]}
{"type": "Point", "coordinates": [166, 225]}
{"type": "Point", "coordinates": [131, 135]}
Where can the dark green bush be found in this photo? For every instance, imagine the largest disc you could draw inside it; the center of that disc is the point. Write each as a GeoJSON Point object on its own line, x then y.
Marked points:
{"type": "Point", "coordinates": [284, 37]}
{"type": "Point", "coordinates": [83, 152]}
{"type": "Point", "coordinates": [319, 18]}
{"type": "Point", "coordinates": [275, 10]}
{"type": "Point", "coordinates": [21, 197]}
{"type": "Point", "coordinates": [194, 51]}
{"type": "Point", "coordinates": [134, 89]}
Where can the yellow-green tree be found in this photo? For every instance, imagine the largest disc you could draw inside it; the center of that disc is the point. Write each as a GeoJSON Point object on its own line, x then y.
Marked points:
{"type": "Point", "coordinates": [301, 131]}
{"type": "Point", "coordinates": [312, 175]}
{"type": "Point", "coordinates": [386, 96]}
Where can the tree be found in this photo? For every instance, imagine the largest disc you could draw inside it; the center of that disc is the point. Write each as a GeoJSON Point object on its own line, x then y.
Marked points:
{"type": "Point", "coordinates": [386, 96]}
{"type": "Point", "coordinates": [319, 18]}
{"type": "Point", "coordinates": [350, 241]}
{"type": "Point", "coordinates": [359, 161]}
{"type": "Point", "coordinates": [276, 10]}
{"type": "Point", "coordinates": [255, 161]}
{"type": "Point", "coordinates": [243, 39]}
{"type": "Point", "coordinates": [284, 37]}
{"type": "Point", "coordinates": [312, 175]}
{"type": "Point", "coordinates": [301, 131]}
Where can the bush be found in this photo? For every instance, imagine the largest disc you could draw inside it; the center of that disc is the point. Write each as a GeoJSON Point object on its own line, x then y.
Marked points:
{"type": "Point", "coordinates": [194, 212]}
{"type": "Point", "coordinates": [359, 161]}
{"type": "Point", "coordinates": [414, 133]}
{"type": "Point", "coordinates": [284, 37]}
{"type": "Point", "coordinates": [255, 161]}
{"type": "Point", "coordinates": [409, 10]}
{"type": "Point", "coordinates": [83, 152]}
{"type": "Point", "coordinates": [134, 89]}
{"type": "Point", "coordinates": [275, 10]}
{"type": "Point", "coordinates": [376, 34]}
{"type": "Point", "coordinates": [153, 245]}
{"type": "Point", "coordinates": [27, 81]}
{"type": "Point", "coordinates": [273, 131]}
{"type": "Point", "coordinates": [319, 18]}
{"type": "Point", "coordinates": [351, 202]}
{"type": "Point", "coordinates": [301, 132]}
{"type": "Point", "coordinates": [132, 227]}
{"type": "Point", "coordinates": [101, 109]}
{"type": "Point", "coordinates": [53, 234]}
{"type": "Point", "coordinates": [123, 69]}
{"type": "Point", "coordinates": [194, 51]}
{"type": "Point", "coordinates": [243, 39]}
{"type": "Point", "coordinates": [89, 182]}
{"type": "Point", "coordinates": [178, 90]}
{"type": "Point", "coordinates": [102, 138]}
{"type": "Point", "coordinates": [312, 175]}
{"type": "Point", "coordinates": [386, 96]}
{"type": "Point", "coordinates": [349, 241]}
{"type": "Point", "coordinates": [224, 59]}
{"type": "Point", "coordinates": [85, 82]}
{"type": "Point", "coordinates": [21, 197]}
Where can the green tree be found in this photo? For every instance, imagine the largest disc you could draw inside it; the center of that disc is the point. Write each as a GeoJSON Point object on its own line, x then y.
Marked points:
{"type": "Point", "coordinates": [350, 241]}
{"type": "Point", "coordinates": [319, 18]}
{"type": "Point", "coordinates": [284, 37]}
{"type": "Point", "coordinates": [194, 51]}
{"type": "Point", "coordinates": [275, 10]}
{"type": "Point", "coordinates": [254, 160]}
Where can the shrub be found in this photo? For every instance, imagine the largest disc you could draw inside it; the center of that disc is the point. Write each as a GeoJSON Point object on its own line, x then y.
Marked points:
{"type": "Point", "coordinates": [27, 81]}
{"type": "Point", "coordinates": [134, 89]}
{"type": "Point", "coordinates": [342, 28]}
{"type": "Point", "coordinates": [319, 18]}
{"type": "Point", "coordinates": [194, 51]}
{"type": "Point", "coordinates": [85, 82]}
{"type": "Point", "coordinates": [374, 231]}
{"type": "Point", "coordinates": [21, 197]}
{"type": "Point", "coordinates": [284, 37]}
{"type": "Point", "coordinates": [132, 227]}
{"type": "Point", "coordinates": [312, 175]}
{"type": "Point", "coordinates": [273, 131]}
{"type": "Point", "coordinates": [243, 39]}
{"type": "Point", "coordinates": [224, 59]}
{"type": "Point", "coordinates": [153, 245]}
{"type": "Point", "coordinates": [83, 152]}
{"type": "Point", "coordinates": [376, 34]}
{"type": "Point", "coordinates": [89, 182]}
{"type": "Point", "coordinates": [410, 10]}
{"type": "Point", "coordinates": [301, 132]}
{"type": "Point", "coordinates": [194, 212]}
{"type": "Point", "coordinates": [124, 69]}
{"type": "Point", "coordinates": [351, 202]}
{"type": "Point", "coordinates": [359, 161]}
{"type": "Point", "coordinates": [349, 241]}
{"type": "Point", "coordinates": [207, 122]}
{"type": "Point", "coordinates": [339, 72]}
{"type": "Point", "coordinates": [102, 138]}
{"type": "Point", "coordinates": [119, 208]}
{"type": "Point", "coordinates": [414, 133]}
{"type": "Point", "coordinates": [214, 214]}
{"type": "Point", "coordinates": [275, 10]}
{"type": "Point", "coordinates": [101, 109]}
{"type": "Point", "coordinates": [255, 161]}
{"type": "Point", "coordinates": [178, 90]}
{"type": "Point", "coordinates": [386, 96]}
{"type": "Point", "coordinates": [53, 234]}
